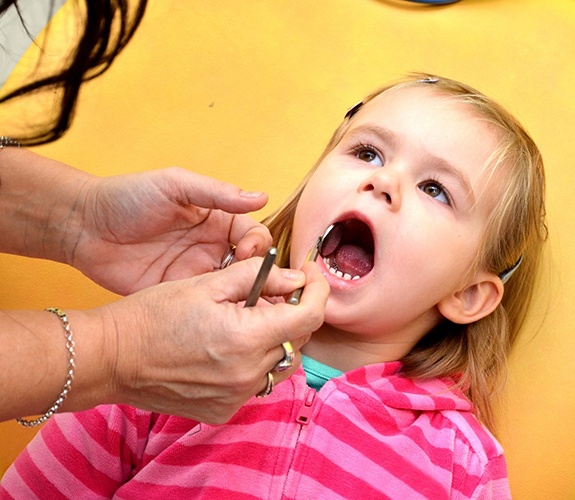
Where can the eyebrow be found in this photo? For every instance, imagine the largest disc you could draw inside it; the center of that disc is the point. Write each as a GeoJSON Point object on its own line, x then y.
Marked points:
{"type": "Point", "coordinates": [435, 162]}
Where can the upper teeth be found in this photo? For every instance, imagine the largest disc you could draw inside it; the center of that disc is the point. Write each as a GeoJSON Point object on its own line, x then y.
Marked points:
{"type": "Point", "coordinates": [332, 266]}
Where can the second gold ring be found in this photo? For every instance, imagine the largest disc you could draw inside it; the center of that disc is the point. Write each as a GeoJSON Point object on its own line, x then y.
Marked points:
{"type": "Point", "coordinates": [287, 361]}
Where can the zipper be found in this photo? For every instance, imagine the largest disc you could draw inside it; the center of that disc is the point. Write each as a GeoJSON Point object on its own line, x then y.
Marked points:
{"type": "Point", "coordinates": [303, 418]}
{"type": "Point", "coordinates": [304, 414]}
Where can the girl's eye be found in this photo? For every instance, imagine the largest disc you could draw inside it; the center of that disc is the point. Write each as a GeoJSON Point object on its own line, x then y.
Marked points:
{"type": "Point", "coordinates": [435, 190]}
{"type": "Point", "coordinates": [368, 154]}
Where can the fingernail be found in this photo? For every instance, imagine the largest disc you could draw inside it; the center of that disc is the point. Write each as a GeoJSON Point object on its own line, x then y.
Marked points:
{"type": "Point", "coordinates": [250, 194]}
{"type": "Point", "coordinates": [292, 274]}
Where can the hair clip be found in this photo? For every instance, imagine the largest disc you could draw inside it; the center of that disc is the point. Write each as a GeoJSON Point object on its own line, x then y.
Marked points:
{"type": "Point", "coordinates": [429, 79]}
{"type": "Point", "coordinates": [505, 275]}
{"type": "Point", "coordinates": [353, 110]}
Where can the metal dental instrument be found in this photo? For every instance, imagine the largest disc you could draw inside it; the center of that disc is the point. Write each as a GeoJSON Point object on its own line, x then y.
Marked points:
{"type": "Point", "coordinates": [328, 245]}
{"type": "Point", "coordinates": [261, 278]}
{"type": "Point", "coordinates": [316, 250]}
{"type": "Point", "coordinates": [312, 255]}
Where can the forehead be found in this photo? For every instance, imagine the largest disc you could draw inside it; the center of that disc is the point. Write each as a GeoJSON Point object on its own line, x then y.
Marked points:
{"type": "Point", "coordinates": [425, 103]}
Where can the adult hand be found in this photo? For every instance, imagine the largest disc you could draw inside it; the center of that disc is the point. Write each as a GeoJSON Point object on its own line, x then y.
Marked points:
{"type": "Point", "coordinates": [125, 232]}
{"type": "Point", "coordinates": [188, 348]}
{"type": "Point", "coordinates": [142, 229]}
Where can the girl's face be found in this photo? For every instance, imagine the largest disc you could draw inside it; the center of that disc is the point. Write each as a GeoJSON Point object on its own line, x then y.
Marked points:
{"type": "Point", "coordinates": [407, 181]}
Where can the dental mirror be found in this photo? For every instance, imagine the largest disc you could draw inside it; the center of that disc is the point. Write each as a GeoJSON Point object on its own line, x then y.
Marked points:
{"type": "Point", "coordinates": [325, 245]}
{"type": "Point", "coordinates": [331, 239]}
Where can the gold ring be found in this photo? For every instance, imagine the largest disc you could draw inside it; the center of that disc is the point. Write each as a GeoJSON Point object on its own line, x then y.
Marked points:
{"type": "Point", "coordinates": [228, 257]}
{"type": "Point", "coordinates": [269, 387]}
{"type": "Point", "coordinates": [287, 361]}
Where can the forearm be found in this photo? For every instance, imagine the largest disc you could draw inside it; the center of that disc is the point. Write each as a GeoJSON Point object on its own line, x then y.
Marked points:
{"type": "Point", "coordinates": [34, 362]}
{"type": "Point", "coordinates": [40, 205]}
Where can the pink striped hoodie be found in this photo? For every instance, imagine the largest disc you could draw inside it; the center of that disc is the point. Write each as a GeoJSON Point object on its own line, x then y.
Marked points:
{"type": "Point", "coordinates": [370, 433]}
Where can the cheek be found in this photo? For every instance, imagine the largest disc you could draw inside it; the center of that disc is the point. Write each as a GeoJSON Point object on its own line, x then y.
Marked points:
{"type": "Point", "coordinates": [430, 253]}
{"type": "Point", "coordinates": [310, 220]}
{"type": "Point", "coordinates": [297, 238]}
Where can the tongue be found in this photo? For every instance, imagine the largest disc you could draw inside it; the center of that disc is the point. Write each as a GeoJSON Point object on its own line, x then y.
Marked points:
{"type": "Point", "coordinates": [353, 260]}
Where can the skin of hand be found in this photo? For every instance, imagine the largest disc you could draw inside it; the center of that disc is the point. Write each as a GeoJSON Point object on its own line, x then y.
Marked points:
{"type": "Point", "coordinates": [125, 232]}
{"type": "Point", "coordinates": [185, 347]}
{"type": "Point", "coordinates": [188, 348]}
{"type": "Point", "coordinates": [138, 230]}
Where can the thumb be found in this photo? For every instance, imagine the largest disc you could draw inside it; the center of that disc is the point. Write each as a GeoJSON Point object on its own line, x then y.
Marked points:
{"type": "Point", "coordinates": [207, 192]}
{"type": "Point", "coordinates": [235, 282]}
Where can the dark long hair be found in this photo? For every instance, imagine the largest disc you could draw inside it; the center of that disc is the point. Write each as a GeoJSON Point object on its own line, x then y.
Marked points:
{"type": "Point", "coordinates": [108, 25]}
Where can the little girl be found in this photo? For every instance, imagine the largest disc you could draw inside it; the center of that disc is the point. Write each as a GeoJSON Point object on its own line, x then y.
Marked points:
{"type": "Point", "coordinates": [439, 196]}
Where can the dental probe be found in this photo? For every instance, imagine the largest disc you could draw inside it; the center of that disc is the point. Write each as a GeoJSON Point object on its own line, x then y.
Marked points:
{"type": "Point", "coordinates": [312, 255]}
{"type": "Point", "coordinates": [261, 277]}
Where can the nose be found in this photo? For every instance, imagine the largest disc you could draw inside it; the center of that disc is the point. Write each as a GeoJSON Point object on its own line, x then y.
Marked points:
{"type": "Point", "coordinates": [384, 185]}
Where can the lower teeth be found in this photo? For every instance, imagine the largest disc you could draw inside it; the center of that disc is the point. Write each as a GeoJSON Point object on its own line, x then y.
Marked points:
{"type": "Point", "coordinates": [332, 266]}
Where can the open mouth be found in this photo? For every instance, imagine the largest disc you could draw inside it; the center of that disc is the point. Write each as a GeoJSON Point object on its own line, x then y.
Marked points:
{"type": "Point", "coordinates": [347, 249]}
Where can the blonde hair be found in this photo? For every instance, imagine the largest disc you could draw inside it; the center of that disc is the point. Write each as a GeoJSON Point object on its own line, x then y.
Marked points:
{"type": "Point", "coordinates": [474, 354]}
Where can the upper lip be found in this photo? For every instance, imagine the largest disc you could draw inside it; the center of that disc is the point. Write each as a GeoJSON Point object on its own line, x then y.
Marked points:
{"type": "Point", "coordinates": [353, 214]}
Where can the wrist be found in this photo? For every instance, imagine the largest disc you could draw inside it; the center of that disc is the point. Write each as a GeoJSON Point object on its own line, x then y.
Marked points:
{"type": "Point", "coordinates": [96, 354]}
{"type": "Point", "coordinates": [41, 205]}
{"type": "Point", "coordinates": [36, 362]}
{"type": "Point", "coordinates": [122, 339]}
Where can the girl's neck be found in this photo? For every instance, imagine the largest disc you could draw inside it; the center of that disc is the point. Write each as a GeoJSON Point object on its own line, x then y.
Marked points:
{"type": "Point", "coordinates": [346, 351]}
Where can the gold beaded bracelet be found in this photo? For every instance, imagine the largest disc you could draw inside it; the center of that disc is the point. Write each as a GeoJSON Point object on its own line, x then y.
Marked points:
{"type": "Point", "coordinates": [69, 376]}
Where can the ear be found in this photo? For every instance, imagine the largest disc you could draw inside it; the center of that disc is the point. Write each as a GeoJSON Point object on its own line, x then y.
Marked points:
{"type": "Point", "coordinates": [475, 301]}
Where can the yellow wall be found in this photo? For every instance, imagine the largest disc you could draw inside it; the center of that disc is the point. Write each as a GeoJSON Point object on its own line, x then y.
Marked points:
{"type": "Point", "coordinates": [250, 92]}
